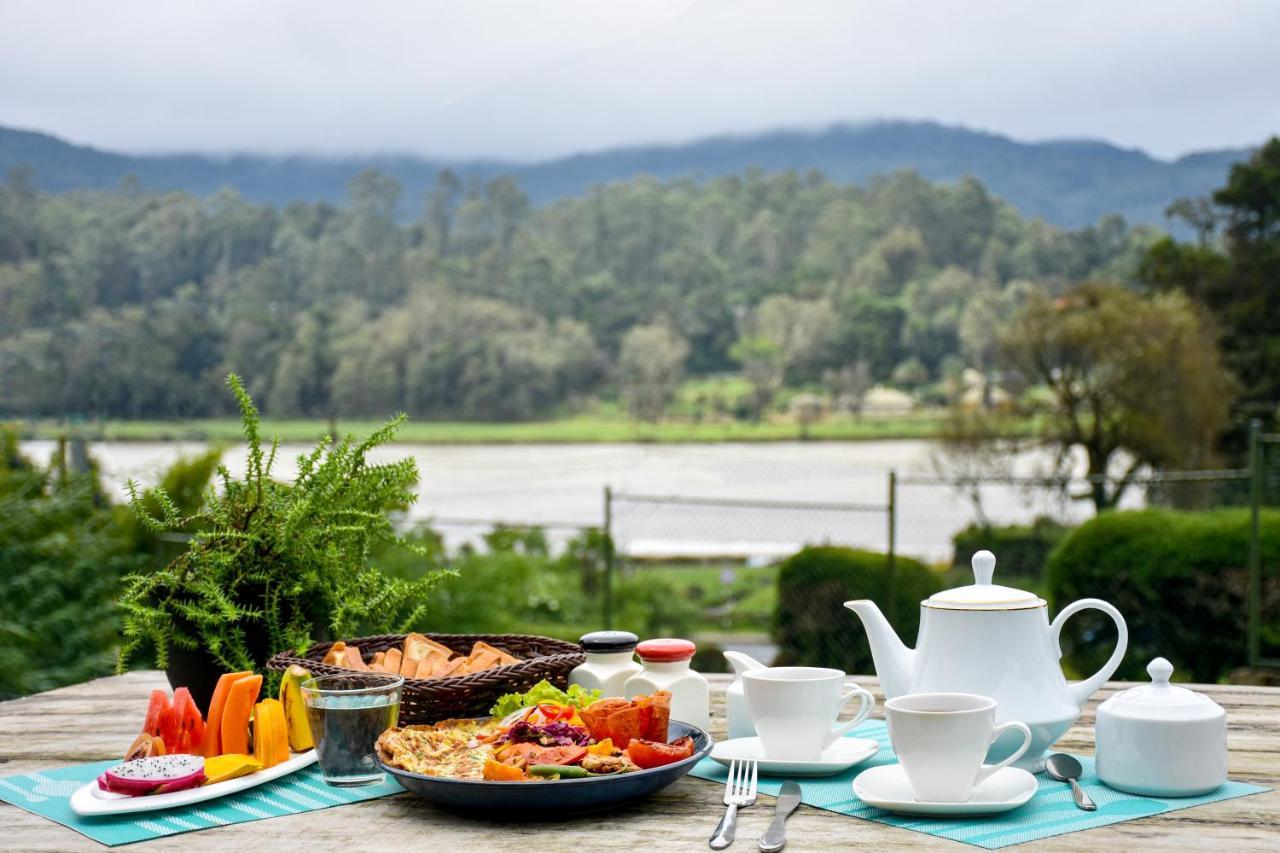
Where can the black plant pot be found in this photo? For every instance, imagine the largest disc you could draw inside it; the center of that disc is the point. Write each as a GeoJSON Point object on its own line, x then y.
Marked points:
{"type": "Point", "coordinates": [195, 670]}
{"type": "Point", "coordinates": [198, 671]}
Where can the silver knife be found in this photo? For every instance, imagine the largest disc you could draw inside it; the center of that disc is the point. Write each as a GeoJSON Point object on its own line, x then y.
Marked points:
{"type": "Point", "coordinates": [775, 837]}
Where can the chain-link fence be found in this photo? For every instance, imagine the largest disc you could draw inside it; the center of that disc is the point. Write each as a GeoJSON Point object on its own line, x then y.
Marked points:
{"type": "Point", "coordinates": [716, 558]}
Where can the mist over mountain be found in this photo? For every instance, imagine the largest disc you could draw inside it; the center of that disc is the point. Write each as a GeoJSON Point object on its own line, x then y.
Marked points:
{"type": "Point", "coordinates": [1067, 182]}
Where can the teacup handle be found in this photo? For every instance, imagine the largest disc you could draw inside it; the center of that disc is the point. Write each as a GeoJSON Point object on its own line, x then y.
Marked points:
{"type": "Point", "coordinates": [986, 770]}
{"type": "Point", "coordinates": [868, 702]}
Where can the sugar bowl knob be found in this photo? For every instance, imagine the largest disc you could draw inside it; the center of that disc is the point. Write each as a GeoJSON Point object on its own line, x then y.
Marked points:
{"type": "Point", "coordinates": [1160, 670]}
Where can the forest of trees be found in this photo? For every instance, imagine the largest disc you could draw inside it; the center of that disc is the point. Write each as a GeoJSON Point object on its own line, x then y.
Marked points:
{"type": "Point", "coordinates": [136, 304]}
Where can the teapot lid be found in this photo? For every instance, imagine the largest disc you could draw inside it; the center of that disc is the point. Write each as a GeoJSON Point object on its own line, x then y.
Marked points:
{"type": "Point", "coordinates": [982, 594]}
{"type": "Point", "coordinates": [1162, 700]}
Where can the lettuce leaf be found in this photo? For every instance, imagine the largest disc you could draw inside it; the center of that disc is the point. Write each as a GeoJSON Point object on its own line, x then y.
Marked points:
{"type": "Point", "coordinates": [544, 691]}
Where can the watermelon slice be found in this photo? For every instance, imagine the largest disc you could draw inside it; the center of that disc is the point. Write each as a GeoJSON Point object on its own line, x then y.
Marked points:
{"type": "Point", "coordinates": [160, 721]}
{"type": "Point", "coordinates": [190, 723]}
{"type": "Point", "coordinates": [169, 731]}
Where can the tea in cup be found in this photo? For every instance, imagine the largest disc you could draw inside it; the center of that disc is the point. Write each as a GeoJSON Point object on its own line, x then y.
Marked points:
{"type": "Point", "coordinates": [941, 740]}
{"type": "Point", "coordinates": [794, 709]}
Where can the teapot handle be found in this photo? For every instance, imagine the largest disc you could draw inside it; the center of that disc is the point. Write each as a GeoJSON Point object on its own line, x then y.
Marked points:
{"type": "Point", "coordinates": [1081, 690]}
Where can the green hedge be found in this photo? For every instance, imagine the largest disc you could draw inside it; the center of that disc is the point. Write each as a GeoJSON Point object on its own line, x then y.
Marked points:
{"type": "Point", "coordinates": [1021, 550]}
{"type": "Point", "coordinates": [1179, 579]}
{"type": "Point", "coordinates": [811, 624]}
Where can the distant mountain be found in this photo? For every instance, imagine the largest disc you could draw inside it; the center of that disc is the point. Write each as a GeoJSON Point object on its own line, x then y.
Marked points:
{"type": "Point", "coordinates": [1069, 182]}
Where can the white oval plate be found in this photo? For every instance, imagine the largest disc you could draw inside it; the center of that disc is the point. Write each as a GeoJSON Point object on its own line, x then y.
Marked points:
{"type": "Point", "coordinates": [846, 752]}
{"type": "Point", "coordinates": [886, 787]}
{"type": "Point", "coordinates": [91, 801]}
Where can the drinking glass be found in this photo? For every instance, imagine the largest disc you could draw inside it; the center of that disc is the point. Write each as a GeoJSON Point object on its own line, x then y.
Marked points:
{"type": "Point", "coordinates": [346, 714]}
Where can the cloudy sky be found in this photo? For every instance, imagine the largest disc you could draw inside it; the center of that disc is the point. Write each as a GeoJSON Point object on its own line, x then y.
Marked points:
{"type": "Point", "coordinates": [528, 79]}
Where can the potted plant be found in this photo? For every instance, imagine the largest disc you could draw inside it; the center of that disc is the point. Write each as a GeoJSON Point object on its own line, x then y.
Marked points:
{"type": "Point", "coordinates": [271, 566]}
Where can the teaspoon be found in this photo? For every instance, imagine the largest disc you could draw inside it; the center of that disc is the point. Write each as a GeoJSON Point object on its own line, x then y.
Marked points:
{"type": "Point", "coordinates": [1064, 768]}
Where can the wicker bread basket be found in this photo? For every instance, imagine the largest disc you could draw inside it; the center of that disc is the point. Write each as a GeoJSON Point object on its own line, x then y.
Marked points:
{"type": "Point", "coordinates": [433, 699]}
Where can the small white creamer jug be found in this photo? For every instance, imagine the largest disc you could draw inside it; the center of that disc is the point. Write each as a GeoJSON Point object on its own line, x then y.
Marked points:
{"type": "Point", "coordinates": [736, 713]}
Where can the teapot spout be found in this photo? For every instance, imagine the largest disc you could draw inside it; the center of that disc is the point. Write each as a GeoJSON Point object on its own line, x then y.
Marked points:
{"type": "Point", "coordinates": [742, 662]}
{"type": "Point", "coordinates": [895, 663]}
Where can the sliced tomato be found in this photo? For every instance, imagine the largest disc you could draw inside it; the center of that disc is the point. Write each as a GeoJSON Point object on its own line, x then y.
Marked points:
{"type": "Point", "coordinates": [558, 755]}
{"type": "Point", "coordinates": [649, 753]}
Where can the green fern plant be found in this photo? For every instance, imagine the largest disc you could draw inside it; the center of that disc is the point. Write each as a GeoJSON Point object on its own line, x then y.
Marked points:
{"type": "Point", "coordinates": [269, 565]}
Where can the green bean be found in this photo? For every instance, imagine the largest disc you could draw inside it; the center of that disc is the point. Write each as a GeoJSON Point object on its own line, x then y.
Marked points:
{"type": "Point", "coordinates": [564, 771]}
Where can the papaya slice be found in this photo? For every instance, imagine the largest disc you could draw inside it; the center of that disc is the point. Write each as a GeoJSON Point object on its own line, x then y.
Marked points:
{"type": "Point", "coordinates": [241, 696]}
{"type": "Point", "coordinates": [190, 723]}
{"type": "Point", "coordinates": [262, 750]}
{"type": "Point", "coordinates": [278, 731]}
{"type": "Point", "coordinates": [213, 719]}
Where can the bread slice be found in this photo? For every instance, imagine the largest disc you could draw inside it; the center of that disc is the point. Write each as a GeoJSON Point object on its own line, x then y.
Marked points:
{"type": "Point", "coordinates": [353, 660]}
{"type": "Point", "coordinates": [378, 659]}
{"type": "Point", "coordinates": [432, 663]}
{"type": "Point", "coordinates": [428, 666]}
{"type": "Point", "coordinates": [391, 663]}
{"type": "Point", "coordinates": [422, 645]}
{"type": "Point", "coordinates": [335, 655]}
{"type": "Point", "coordinates": [457, 666]}
{"type": "Point", "coordinates": [409, 665]}
{"type": "Point", "coordinates": [485, 656]}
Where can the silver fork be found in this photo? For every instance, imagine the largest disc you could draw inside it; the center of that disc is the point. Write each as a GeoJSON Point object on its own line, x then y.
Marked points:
{"type": "Point", "coordinates": [739, 792]}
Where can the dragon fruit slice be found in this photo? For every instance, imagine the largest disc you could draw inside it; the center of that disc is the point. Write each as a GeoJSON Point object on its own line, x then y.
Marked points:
{"type": "Point", "coordinates": [159, 774]}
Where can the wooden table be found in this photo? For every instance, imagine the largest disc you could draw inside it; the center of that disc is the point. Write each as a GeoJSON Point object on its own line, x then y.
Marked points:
{"type": "Point", "coordinates": [97, 720]}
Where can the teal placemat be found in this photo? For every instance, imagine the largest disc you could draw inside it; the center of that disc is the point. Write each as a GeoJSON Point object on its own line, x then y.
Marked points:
{"type": "Point", "coordinates": [1050, 812]}
{"type": "Point", "coordinates": [48, 794]}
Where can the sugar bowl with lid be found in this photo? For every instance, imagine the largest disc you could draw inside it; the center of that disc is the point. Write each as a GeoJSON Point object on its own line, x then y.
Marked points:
{"type": "Point", "coordinates": [1161, 740]}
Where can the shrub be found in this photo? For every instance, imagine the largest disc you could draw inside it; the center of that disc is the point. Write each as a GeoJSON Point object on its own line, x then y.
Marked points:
{"type": "Point", "coordinates": [517, 586]}
{"type": "Point", "coordinates": [62, 552]}
{"type": "Point", "coordinates": [1021, 550]}
{"type": "Point", "coordinates": [811, 624]}
{"type": "Point", "coordinates": [1178, 578]}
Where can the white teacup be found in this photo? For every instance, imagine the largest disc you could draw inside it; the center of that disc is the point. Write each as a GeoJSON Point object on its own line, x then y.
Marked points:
{"type": "Point", "coordinates": [794, 708]}
{"type": "Point", "coordinates": [941, 740]}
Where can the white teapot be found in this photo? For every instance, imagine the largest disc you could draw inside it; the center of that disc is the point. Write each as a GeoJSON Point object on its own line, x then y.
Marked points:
{"type": "Point", "coordinates": [994, 641]}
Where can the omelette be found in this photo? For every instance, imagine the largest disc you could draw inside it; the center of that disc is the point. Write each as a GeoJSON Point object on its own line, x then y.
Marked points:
{"type": "Point", "coordinates": [448, 748]}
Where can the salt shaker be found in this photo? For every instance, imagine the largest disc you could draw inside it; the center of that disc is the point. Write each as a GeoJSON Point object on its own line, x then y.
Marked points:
{"type": "Point", "coordinates": [610, 662]}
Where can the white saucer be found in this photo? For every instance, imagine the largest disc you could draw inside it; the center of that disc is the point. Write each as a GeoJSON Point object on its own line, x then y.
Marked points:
{"type": "Point", "coordinates": [887, 788]}
{"type": "Point", "coordinates": [840, 756]}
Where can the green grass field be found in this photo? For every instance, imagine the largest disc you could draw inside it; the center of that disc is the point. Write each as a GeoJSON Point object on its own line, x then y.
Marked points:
{"type": "Point", "coordinates": [573, 429]}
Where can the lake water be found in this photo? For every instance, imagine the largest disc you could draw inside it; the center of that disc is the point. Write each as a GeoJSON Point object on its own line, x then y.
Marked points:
{"type": "Point", "coordinates": [467, 488]}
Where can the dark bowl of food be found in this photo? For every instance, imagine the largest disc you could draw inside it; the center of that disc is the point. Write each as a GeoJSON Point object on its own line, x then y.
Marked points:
{"type": "Point", "coordinates": [553, 798]}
